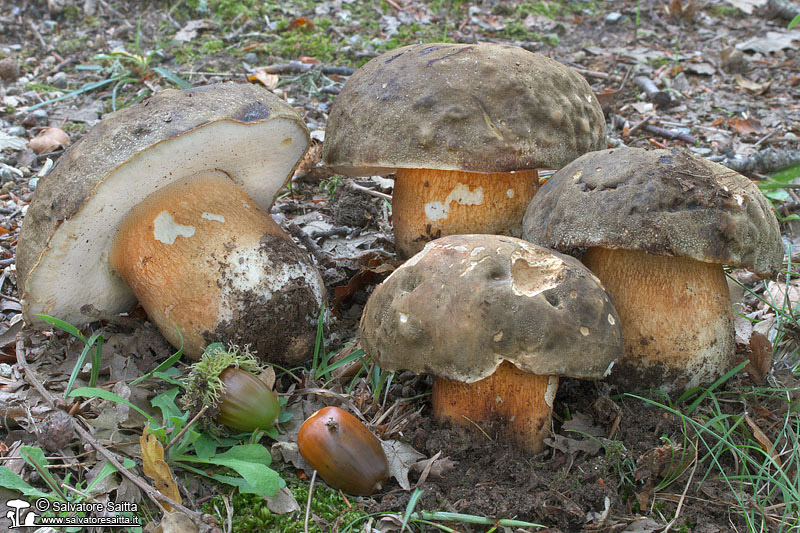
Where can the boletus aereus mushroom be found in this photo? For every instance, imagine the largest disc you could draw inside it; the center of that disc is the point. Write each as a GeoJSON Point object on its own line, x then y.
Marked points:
{"type": "Point", "coordinates": [465, 127]}
{"type": "Point", "coordinates": [656, 227]}
{"type": "Point", "coordinates": [496, 320]}
{"type": "Point", "coordinates": [165, 202]}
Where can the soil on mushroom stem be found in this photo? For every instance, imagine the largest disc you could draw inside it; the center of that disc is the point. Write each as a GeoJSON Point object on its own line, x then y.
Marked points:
{"type": "Point", "coordinates": [561, 490]}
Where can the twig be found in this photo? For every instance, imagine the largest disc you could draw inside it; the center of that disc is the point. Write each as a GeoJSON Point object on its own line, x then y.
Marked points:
{"type": "Point", "coordinates": [591, 73]}
{"type": "Point", "coordinates": [298, 233]}
{"type": "Point", "coordinates": [298, 67]}
{"type": "Point", "coordinates": [764, 138]}
{"type": "Point", "coordinates": [669, 134]}
{"type": "Point", "coordinates": [308, 502]}
{"type": "Point", "coordinates": [369, 191]}
{"type": "Point", "coordinates": [394, 5]}
{"type": "Point", "coordinates": [660, 98]}
{"type": "Point", "coordinates": [151, 493]}
{"type": "Point", "coordinates": [185, 428]}
{"type": "Point", "coordinates": [640, 125]}
{"type": "Point", "coordinates": [38, 35]}
{"type": "Point", "coordinates": [763, 162]}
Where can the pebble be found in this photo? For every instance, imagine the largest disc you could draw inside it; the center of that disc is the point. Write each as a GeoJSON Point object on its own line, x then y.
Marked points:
{"type": "Point", "coordinates": [18, 131]}
{"type": "Point", "coordinates": [9, 69]}
{"type": "Point", "coordinates": [613, 18]}
{"type": "Point", "coordinates": [5, 370]}
{"type": "Point", "coordinates": [39, 114]}
{"type": "Point", "coordinates": [251, 57]}
{"type": "Point", "coordinates": [59, 80]}
{"type": "Point", "coordinates": [33, 183]}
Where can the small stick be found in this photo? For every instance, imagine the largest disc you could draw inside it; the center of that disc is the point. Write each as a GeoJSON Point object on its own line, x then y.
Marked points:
{"type": "Point", "coordinates": [38, 35]}
{"type": "Point", "coordinates": [152, 493]}
{"type": "Point", "coordinates": [185, 428]}
{"type": "Point", "coordinates": [369, 191]}
{"type": "Point", "coordinates": [669, 134]}
{"type": "Point", "coordinates": [394, 5]}
{"type": "Point", "coordinates": [298, 67]}
{"type": "Point", "coordinates": [310, 245]}
{"type": "Point", "coordinates": [640, 124]}
{"type": "Point", "coordinates": [660, 98]}
{"type": "Point", "coordinates": [308, 502]}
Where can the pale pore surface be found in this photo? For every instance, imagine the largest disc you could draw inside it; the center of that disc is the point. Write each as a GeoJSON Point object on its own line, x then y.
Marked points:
{"type": "Point", "coordinates": [74, 270]}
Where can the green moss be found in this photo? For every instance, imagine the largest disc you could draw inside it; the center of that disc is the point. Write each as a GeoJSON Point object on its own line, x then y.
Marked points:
{"type": "Point", "coordinates": [251, 514]}
{"type": "Point", "coordinates": [72, 46]}
{"type": "Point", "coordinates": [314, 42]}
{"type": "Point", "coordinates": [211, 46]}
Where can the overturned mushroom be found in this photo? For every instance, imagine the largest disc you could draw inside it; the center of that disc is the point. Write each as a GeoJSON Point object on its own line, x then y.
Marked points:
{"type": "Point", "coordinates": [496, 320]}
{"type": "Point", "coordinates": [465, 127]}
{"type": "Point", "coordinates": [657, 226]}
{"type": "Point", "coordinates": [165, 202]}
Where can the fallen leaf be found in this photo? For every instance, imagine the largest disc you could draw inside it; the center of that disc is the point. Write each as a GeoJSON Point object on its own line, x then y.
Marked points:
{"type": "Point", "coordinates": [435, 467]}
{"type": "Point", "coordinates": [270, 81]}
{"type": "Point", "coordinates": [774, 41]}
{"type": "Point", "coordinates": [572, 446]}
{"type": "Point", "coordinates": [301, 22]}
{"type": "Point", "coordinates": [283, 502]}
{"type": "Point", "coordinates": [643, 525]}
{"type": "Point", "coordinates": [746, 125]}
{"type": "Point", "coordinates": [762, 439]}
{"type": "Point", "coordinates": [176, 522]}
{"type": "Point", "coordinates": [753, 87]}
{"type": "Point", "coordinates": [401, 456]}
{"type": "Point", "coordinates": [310, 60]}
{"type": "Point", "coordinates": [11, 141]}
{"type": "Point", "coordinates": [48, 140]}
{"type": "Point", "coordinates": [190, 30]}
{"type": "Point", "coordinates": [158, 470]}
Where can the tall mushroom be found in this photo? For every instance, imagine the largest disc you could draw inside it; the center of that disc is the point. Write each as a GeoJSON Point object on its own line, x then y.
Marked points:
{"type": "Point", "coordinates": [496, 320]}
{"type": "Point", "coordinates": [165, 202]}
{"type": "Point", "coordinates": [465, 127]}
{"type": "Point", "coordinates": [657, 226]}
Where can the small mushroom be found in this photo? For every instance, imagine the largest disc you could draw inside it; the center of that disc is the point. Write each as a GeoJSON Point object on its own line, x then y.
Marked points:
{"type": "Point", "coordinates": [657, 226]}
{"type": "Point", "coordinates": [496, 320]}
{"type": "Point", "coordinates": [465, 127]}
{"type": "Point", "coordinates": [165, 202]}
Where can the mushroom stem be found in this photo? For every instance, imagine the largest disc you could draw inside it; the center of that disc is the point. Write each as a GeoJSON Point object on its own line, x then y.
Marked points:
{"type": "Point", "coordinates": [515, 404]}
{"type": "Point", "coordinates": [428, 204]}
{"type": "Point", "coordinates": [202, 257]}
{"type": "Point", "coordinates": [675, 315]}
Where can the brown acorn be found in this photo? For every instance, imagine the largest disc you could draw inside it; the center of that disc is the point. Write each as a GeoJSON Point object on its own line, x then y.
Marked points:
{"type": "Point", "coordinates": [343, 451]}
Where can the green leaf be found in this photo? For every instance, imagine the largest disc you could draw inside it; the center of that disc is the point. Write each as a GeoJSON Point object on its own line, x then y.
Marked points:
{"type": "Point", "coordinates": [106, 471]}
{"type": "Point", "coordinates": [63, 326]}
{"type": "Point", "coordinates": [205, 446]}
{"type": "Point", "coordinates": [10, 480]}
{"type": "Point", "coordinates": [250, 462]}
{"type": "Point", "coordinates": [94, 392]}
{"type": "Point", "coordinates": [166, 403]}
{"type": "Point", "coordinates": [96, 359]}
{"type": "Point", "coordinates": [795, 21]}
{"type": "Point", "coordinates": [175, 79]}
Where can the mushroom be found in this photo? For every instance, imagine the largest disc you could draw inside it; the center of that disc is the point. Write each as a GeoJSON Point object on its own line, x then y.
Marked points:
{"type": "Point", "coordinates": [165, 202]}
{"type": "Point", "coordinates": [496, 320]}
{"type": "Point", "coordinates": [464, 127]}
{"type": "Point", "coordinates": [657, 226]}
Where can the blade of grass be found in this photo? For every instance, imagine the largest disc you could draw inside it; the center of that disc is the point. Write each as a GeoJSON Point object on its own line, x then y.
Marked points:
{"type": "Point", "coordinates": [412, 503]}
{"type": "Point", "coordinates": [173, 78]}
{"type": "Point", "coordinates": [171, 360]}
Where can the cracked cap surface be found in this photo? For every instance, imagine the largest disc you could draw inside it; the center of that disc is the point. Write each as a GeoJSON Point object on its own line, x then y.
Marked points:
{"type": "Point", "coordinates": [466, 303]}
{"type": "Point", "coordinates": [480, 108]}
{"type": "Point", "coordinates": [663, 202]}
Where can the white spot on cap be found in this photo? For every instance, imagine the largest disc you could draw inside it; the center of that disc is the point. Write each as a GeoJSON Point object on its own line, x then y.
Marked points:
{"type": "Point", "coordinates": [403, 318]}
{"type": "Point", "coordinates": [498, 336]}
{"type": "Point", "coordinates": [585, 331]}
{"type": "Point", "coordinates": [611, 319]}
{"type": "Point", "coordinates": [608, 370]}
{"type": "Point", "coordinates": [460, 194]}
{"type": "Point", "coordinates": [510, 193]}
{"type": "Point", "coordinates": [212, 216]}
{"type": "Point", "coordinates": [550, 393]}
{"type": "Point", "coordinates": [166, 230]}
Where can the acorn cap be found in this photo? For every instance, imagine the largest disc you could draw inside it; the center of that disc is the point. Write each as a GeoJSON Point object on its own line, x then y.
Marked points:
{"type": "Point", "coordinates": [466, 303]}
{"type": "Point", "coordinates": [469, 107]}
{"type": "Point", "coordinates": [242, 130]}
{"type": "Point", "coordinates": [657, 201]}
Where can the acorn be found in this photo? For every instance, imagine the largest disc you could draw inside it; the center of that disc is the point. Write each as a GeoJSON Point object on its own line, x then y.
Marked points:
{"type": "Point", "coordinates": [343, 451]}
{"type": "Point", "coordinates": [247, 403]}
{"type": "Point", "coordinates": [225, 380]}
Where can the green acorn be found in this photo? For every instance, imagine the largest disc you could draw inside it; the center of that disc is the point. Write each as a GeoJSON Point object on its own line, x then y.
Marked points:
{"type": "Point", "coordinates": [226, 381]}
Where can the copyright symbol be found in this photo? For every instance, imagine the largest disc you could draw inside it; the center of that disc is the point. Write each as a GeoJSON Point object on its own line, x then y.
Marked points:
{"type": "Point", "coordinates": [42, 504]}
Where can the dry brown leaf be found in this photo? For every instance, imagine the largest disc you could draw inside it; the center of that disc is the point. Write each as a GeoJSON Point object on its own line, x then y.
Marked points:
{"type": "Point", "coordinates": [48, 140]}
{"type": "Point", "coordinates": [762, 439]}
{"type": "Point", "coordinates": [301, 22]}
{"type": "Point", "coordinates": [760, 357]}
{"type": "Point", "coordinates": [270, 81]}
{"type": "Point", "coordinates": [753, 87]}
{"type": "Point", "coordinates": [157, 469]}
{"type": "Point", "coordinates": [746, 125]}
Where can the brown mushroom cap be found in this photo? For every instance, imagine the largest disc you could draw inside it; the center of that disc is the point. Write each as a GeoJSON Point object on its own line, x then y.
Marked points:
{"type": "Point", "coordinates": [479, 108]}
{"type": "Point", "coordinates": [252, 136]}
{"type": "Point", "coordinates": [466, 303]}
{"type": "Point", "coordinates": [661, 202]}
